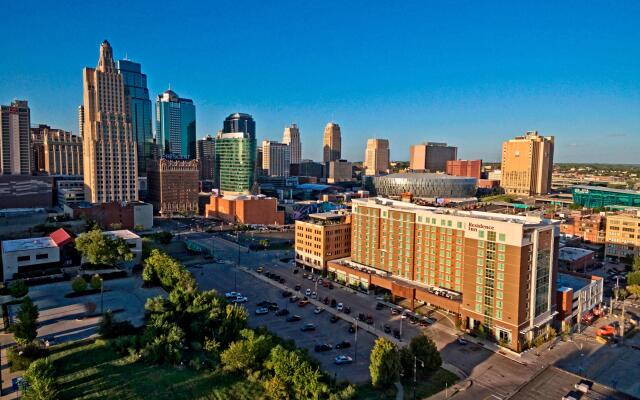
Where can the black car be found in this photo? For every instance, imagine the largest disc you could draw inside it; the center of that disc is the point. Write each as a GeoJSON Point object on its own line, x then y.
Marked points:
{"type": "Point", "coordinates": [283, 312]}
{"type": "Point", "coordinates": [323, 347]}
{"type": "Point", "coordinates": [286, 293]}
{"type": "Point", "coordinates": [294, 318]}
{"type": "Point", "coordinates": [396, 334]}
{"type": "Point", "coordinates": [343, 345]}
{"type": "Point", "coordinates": [362, 317]}
{"type": "Point", "coordinates": [272, 307]}
{"type": "Point", "coordinates": [387, 329]}
{"type": "Point", "coordinates": [347, 310]}
{"type": "Point", "coordinates": [281, 280]}
{"type": "Point", "coordinates": [308, 327]}
{"type": "Point", "coordinates": [298, 287]}
{"type": "Point", "coordinates": [269, 275]}
{"type": "Point", "coordinates": [295, 271]}
{"type": "Point", "coordinates": [352, 328]}
{"type": "Point", "coordinates": [334, 319]}
{"type": "Point", "coordinates": [294, 299]}
{"type": "Point", "coordinates": [265, 303]}
{"type": "Point", "coordinates": [379, 306]}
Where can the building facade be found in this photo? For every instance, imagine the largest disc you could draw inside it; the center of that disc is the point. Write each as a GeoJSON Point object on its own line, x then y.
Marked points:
{"type": "Point", "coordinates": [240, 122]}
{"type": "Point", "coordinates": [206, 156]}
{"type": "Point", "coordinates": [138, 107]}
{"type": "Point", "coordinates": [15, 139]}
{"type": "Point", "coordinates": [114, 215]}
{"type": "Point", "coordinates": [109, 148]}
{"type": "Point", "coordinates": [493, 270]}
{"type": "Point", "coordinates": [332, 143]}
{"type": "Point", "coordinates": [425, 186]}
{"type": "Point", "coordinates": [471, 168]}
{"type": "Point", "coordinates": [308, 168]}
{"type": "Point", "coordinates": [26, 191]}
{"type": "Point", "coordinates": [276, 158]}
{"type": "Point", "coordinates": [622, 235]}
{"type": "Point", "coordinates": [527, 164]}
{"type": "Point", "coordinates": [322, 238]}
{"type": "Point", "coordinates": [431, 156]}
{"type": "Point", "coordinates": [176, 125]}
{"type": "Point", "coordinates": [578, 297]}
{"type": "Point", "coordinates": [235, 162]}
{"type": "Point", "coordinates": [250, 210]}
{"type": "Point", "coordinates": [598, 196]}
{"type": "Point", "coordinates": [591, 227]}
{"type": "Point", "coordinates": [291, 137]}
{"type": "Point", "coordinates": [55, 151]}
{"type": "Point", "coordinates": [376, 157]}
{"type": "Point", "coordinates": [173, 186]}
{"type": "Point", "coordinates": [339, 171]}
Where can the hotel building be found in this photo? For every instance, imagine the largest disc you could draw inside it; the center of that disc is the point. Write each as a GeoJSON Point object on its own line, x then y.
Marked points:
{"type": "Point", "coordinates": [493, 270]}
{"type": "Point", "coordinates": [622, 235]}
{"type": "Point", "coordinates": [527, 164]}
{"type": "Point", "coordinates": [322, 238]}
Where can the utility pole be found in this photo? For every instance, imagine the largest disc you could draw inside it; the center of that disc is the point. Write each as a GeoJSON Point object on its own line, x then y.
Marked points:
{"type": "Point", "coordinates": [579, 312]}
{"type": "Point", "coordinates": [401, 319]}
{"type": "Point", "coordinates": [101, 295]}
{"type": "Point", "coordinates": [355, 346]}
{"type": "Point", "coordinates": [622, 323]}
{"type": "Point", "coordinates": [415, 360]}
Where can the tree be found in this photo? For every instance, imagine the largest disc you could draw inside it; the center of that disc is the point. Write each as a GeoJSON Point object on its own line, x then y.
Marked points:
{"type": "Point", "coordinates": [633, 278]}
{"type": "Point", "coordinates": [424, 349]}
{"type": "Point", "coordinates": [18, 288]}
{"type": "Point", "coordinates": [138, 228]}
{"type": "Point", "coordinates": [247, 354]}
{"type": "Point", "coordinates": [636, 264]}
{"type": "Point", "coordinates": [25, 328]}
{"type": "Point", "coordinates": [100, 249]}
{"type": "Point", "coordinates": [96, 282]}
{"type": "Point", "coordinates": [160, 267]}
{"type": "Point", "coordinates": [634, 290]}
{"type": "Point", "coordinates": [276, 389]}
{"type": "Point", "coordinates": [78, 284]}
{"type": "Point", "coordinates": [40, 377]}
{"type": "Point", "coordinates": [385, 363]}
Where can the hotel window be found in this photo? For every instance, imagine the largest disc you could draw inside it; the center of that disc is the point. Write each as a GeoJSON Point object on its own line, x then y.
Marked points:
{"type": "Point", "coordinates": [481, 234]}
{"type": "Point", "coordinates": [480, 253]}
{"type": "Point", "coordinates": [480, 261]}
{"type": "Point", "coordinates": [500, 285]}
{"type": "Point", "coordinates": [491, 236]}
{"type": "Point", "coordinates": [419, 219]}
{"type": "Point", "coordinates": [498, 314]}
{"type": "Point", "coordinates": [500, 266]}
{"type": "Point", "coordinates": [459, 225]}
{"type": "Point", "coordinates": [498, 294]}
{"type": "Point", "coordinates": [500, 256]}
{"type": "Point", "coordinates": [479, 289]}
{"type": "Point", "coordinates": [501, 247]}
{"type": "Point", "coordinates": [480, 271]}
{"type": "Point", "coordinates": [478, 307]}
{"type": "Point", "coordinates": [449, 223]}
{"type": "Point", "coordinates": [501, 276]}
{"type": "Point", "coordinates": [481, 245]}
{"type": "Point", "coordinates": [479, 279]}
{"type": "Point", "coordinates": [499, 304]}
{"type": "Point", "coordinates": [501, 237]}
{"type": "Point", "coordinates": [478, 298]}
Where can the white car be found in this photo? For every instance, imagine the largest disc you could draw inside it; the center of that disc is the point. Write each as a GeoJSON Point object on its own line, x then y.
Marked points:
{"type": "Point", "coordinates": [340, 307]}
{"type": "Point", "coordinates": [239, 299]}
{"type": "Point", "coordinates": [262, 311]}
{"type": "Point", "coordinates": [310, 277]}
{"type": "Point", "coordinates": [343, 360]}
{"type": "Point", "coordinates": [318, 310]}
{"type": "Point", "coordinates": [314, 295]}
{"type": "Point", "coordinates": [229, 295]}
{"type": "Point", "coordinates": [308, 292]}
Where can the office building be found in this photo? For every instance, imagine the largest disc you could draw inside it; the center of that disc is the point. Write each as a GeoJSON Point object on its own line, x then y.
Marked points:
{"type": "Point", "coordinates": [470, 168]}
{"type": "Point", "coordinates": [176, 125]}
{"type": "Point", "coordinates": [245, 209]}
{"type": "Point", "coordinates": [322, 238]}
{"type": "Point", "coordinates": [206, 156]}
{"type": "Point", "coordinates": [527, 164]}
{"type": "Point", "coordinates": [131, 215]}
{"type": "Point", "coordinates": [22, 256]}
{"type": "Point", "coordinates": [494, 270]}
{"type": "Point", "coordinates": [376, 157]}
{"type": "Point", "coordinates": [339, 171]}
{"type": "Point", "coordinates": [332, 143]}
{"type": "Point", "coordinates": [291, 137]}
{"type": "Point", "coordinates": [575, 259]}
{"type": "Point", "coordinates": [109, 149]}
{"type": "Point", "coordinates": [138, 107]}
{"type": "Point", "coordinates": [24, 191]}
{"type": "Point", "coordinates": [55, 151]}
{"type": "Point", "coordinates": [578, 298]}
{"type": "Point", "coordinates": [276, 158]}
{"type": "Point", "coordinates": [590, 227]}
{"type": "Point", "coordinates": [70, 191]}
{"type": "Point", "coordinates": [235, 162]}
{"type": "Point", "coordinates": [622, 235]}
{"type": "Point", "coordinates": [598, 196]}
{"type": "Point", "coordinates": [308, 168]}
{"type": "Point", "coordinates": [15, 140]}
{"type": "Point", "coordinates": [431, 156]}
{"type": "Point", "coordinates": [173, 186]}
{"type": "Point", "coordinates": [240, 122]}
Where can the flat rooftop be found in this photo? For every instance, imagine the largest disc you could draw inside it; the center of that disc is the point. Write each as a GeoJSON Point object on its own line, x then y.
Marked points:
{"type": "Point", "coordinates": [607, 189]}
{"type": "Point", "coordinates": [327, 216]}
{"type": "Point", "coordinates": [122, 234]}
{"type": "Point", "coordinates": [567, 281]}
{"type": "Point", "coordinates": [10, 246]}
{"type": "Point", "coordinates": [573, 253]}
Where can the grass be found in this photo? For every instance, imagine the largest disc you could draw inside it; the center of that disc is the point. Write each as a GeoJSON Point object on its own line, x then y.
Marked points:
{"type": "Point", "coordinates": [91, 370]}
{"type": "Point", "coordinates": [368, 392]}
{"type": "Point", "coordinates": [435, 383]}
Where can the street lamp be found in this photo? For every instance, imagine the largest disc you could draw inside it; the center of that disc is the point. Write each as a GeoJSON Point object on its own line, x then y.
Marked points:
{"type": "Point", "coordinates": [101, 295]}
{"type": "Point", "coordinates": [401, 319]}
{"type": "Point", "coordinates": [415, 360]}
{"type": "Point", "coordinates": [355, 346]}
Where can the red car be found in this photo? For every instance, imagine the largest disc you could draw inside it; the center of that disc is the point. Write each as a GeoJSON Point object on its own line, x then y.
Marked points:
{"type": "Point", "coordinates": [606, 330]}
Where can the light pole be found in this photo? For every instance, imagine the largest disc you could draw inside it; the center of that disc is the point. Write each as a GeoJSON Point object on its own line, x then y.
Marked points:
{"type": "Point", "coordinates": [355, 346]}
{"type": "Point", "coordinates": [101, 295]}
{"type": "Point", "coordinates": [415, 360]}
{"type": "Point", "coordinates": [401, 319]}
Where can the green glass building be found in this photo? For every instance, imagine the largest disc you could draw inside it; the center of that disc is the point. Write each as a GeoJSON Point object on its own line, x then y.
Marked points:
{"type": "Point", "coordinates": [596, 196]}
{"type": "Point", "coordinates": [235, 161]}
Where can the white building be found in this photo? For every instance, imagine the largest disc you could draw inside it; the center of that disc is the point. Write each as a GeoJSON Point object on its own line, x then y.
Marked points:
{"type": "Point", "coordinates": [135, 245]}
{"type": "Point", "coordinates": [276, 158]}
{"type": "Point", "coordinates": [24, 255]}
{"type": "Point", "coordinates": [291, 137]}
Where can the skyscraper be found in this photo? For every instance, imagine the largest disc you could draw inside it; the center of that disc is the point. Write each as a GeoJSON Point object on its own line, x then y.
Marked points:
{"type": "Point", "coordinates": [527, 164]}
{"type": "Point", "coordinates": [276, 158]}
{"type": "Point", "coordinates": [431, 157]}
{"type": "Point", "coordinates": [235, 162]}
{"type": "Point", "coordinates": [176, 125]}
{"type": "Point", "coordinates": [206, 156]}
{"type": "Point", "coordinates": [15, 139]}
{"type": "Point", "coordinates": [55, 151]}
{"type": "Point", "coordinates": [291, 137]}
{"type": "Point", "coordinates": [376, 158]}
{"type": "Point", "coordinates": [109, 148]}
{"type": "Point", "coordinates": [138, 107]}
{"type": "Point", "coordinates": [332, 149]}
{"type": "Point", "coordinates": [240, 122]}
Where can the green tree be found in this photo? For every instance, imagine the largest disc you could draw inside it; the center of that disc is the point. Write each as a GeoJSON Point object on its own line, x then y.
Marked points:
{"type": "Point", "coordinates": [18, 288]}
{"type": "Point", "coordinates": [96, 282]}
{"type": "Point", "coordinates": [423, 348]}
{"type": "Point", "coordinates": [25, 327]}
{"type": "Point", "coordinates": [78, 284]}
{"type": "Point", "coordinates": [161, 268]}
{"type": "Point", "coordinates": [247, 354]}
{"type": "Point", "coordinates": [276, 388]}
{"type": "Point", "coordinates": [636, 264]}
{"type": "Point", "coordinates": [385, 363]}
{"type": "Point", "coordinates": [100, 249]}
{"type": "Point", "coordinates": [138, 228]}
{"type": "Point", "coordinates": [633, 278]}
{"type": "Point", "coordinates": [40, 377]}
{"type": "Point", "coordinates": [634, 290]}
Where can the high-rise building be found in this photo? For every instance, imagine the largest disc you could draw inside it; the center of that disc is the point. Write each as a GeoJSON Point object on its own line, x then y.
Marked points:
{"type": "Point", "coordinates": [138, 106]}
{"type": "Point", "coordinates": [176, 125]}
{"type": "Point", "coordinates": [276, 158]}
{"type": "Point", "coordinates": [308, 168]}
{"type": "Point", "coordinates": [291, 137]}
{"type": "Point", "coordinates": [173, 185]}
{"type": "Point", "coordinates": [623, 235]}
{"type": "Point", "coordinates": [108, 146]}
{"type": "Point", "coordinates": [470, 168]}
{"type": "Point", "coordinates": [339, 171]}
{"type": "Point", "coordinates": [15, 140]}
{"type": "Point", "coordinates": [527, 164]}
{"type": "Point", "coordinates": [240, 122]}
{"type": "Point", "coordinates": [206, 156]}
{"type": "Point", "coordinates": [322, 238]}
{"type": "Point", "coordinates": [235, 162]}
{"type": "Point", "coordinates": [431, 157]}
{"type": "Point", "coordinates": [376, 157]}
{"type": "Point", "coordinates": [493, 270]}
{"type": "Point", "coordinates": [332, 143]}
{"type": "Point", "coordinates": [55, 151]}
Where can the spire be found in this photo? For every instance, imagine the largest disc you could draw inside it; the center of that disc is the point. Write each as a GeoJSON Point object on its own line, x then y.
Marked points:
{"type": "Point", "coordinates": [105, 62]}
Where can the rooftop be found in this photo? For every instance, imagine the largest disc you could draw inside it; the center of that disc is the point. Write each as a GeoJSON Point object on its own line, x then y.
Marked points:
{"type": "Point", "coordinates": [567, 281]}
{"type": "Point", "coordinates": [606, 189]}
{"type": "Point", "coordinates": [122, 234]}
{"type": "Point", "coordinates": [45, 242]}
{"type": "Point", "coordinates": [573, 253]}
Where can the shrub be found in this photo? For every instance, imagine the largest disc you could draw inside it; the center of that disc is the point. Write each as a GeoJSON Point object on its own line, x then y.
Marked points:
{"type": "Point", "coordinates": [96, 281]}
{"type": "Point", "coordinates": [78, 284]}
{"type": "Point", "coordinates": [21, 357]}
{"type": "Point", "coordinates": [385, 363]}
{"type": "Point", "coordinates": [111, 328]}
{"type": "Point", "coordinates": [25, 327]}
{"type": "Point", "coordinates": [41, 379]}
{"type": "Point", "coordinates": [18, 288]}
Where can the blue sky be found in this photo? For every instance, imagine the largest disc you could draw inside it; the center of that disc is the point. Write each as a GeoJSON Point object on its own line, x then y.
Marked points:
{"type": "Point", "coordinates": [465, 72]}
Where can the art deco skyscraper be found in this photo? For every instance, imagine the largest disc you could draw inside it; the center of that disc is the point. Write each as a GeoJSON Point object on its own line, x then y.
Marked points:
{"type": "Point", "coordinates": [332, 149]}
{"type": "Point", "coordinates": [15, 139]}
{"type": "Point", "coordinates": [291, 136]}
{"type": "Point", "coordinates": [109, 148]}
{"type": "Point", "coordinates": [527, 164]}
{"type": "Point", "coordinates": [376, 157]}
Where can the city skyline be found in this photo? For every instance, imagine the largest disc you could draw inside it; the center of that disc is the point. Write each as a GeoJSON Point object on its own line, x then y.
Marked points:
{"type": "Point", "coordinates": [560, 79]}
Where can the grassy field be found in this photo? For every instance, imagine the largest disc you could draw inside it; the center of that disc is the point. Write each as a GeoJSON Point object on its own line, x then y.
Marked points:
{"type": "Point", "coordinates": [91, 370]}
{"type": "Point", "coordinates": [430, 386]}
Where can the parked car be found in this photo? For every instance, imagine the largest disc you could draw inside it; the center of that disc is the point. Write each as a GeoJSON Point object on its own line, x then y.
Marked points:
{"type": "Point", "coordinates": [330, 285]}
{"type": "Point", "coordinates": [286, 293]}
{"type": "Point", "coordinates": [325, 284]}
{"type": "Point", "coordinates": [265, 303]}
{"type": "Point", "coordinates": [307, 292]}
{"type": "Point", "coordinates": [347, 310]}
{"type": "Point", "coordinates": [297, 288]}
{"type": "Point", "coordinates": [239, 299]}
{"type": "Point", "coordinates": [282, 281]}
{"type": "Point", "coordinates": [379, 306]}
{"type": "Point", "coordinates": [326, 301]}
{"type": "Point", "coordinates": [314, 295]}
{"type": "Point", "coordinates": [394, 311]}
{"type": "Point", "coordinates": [294, 318]}
{"type": "Point", "coordinates": [334, 319]}
{"type": "Point", "coordinates": [343, 345]}
{"type": "Point", "coordinates": [339, 306]}
{"type": "Point", "coordinates": [369, 320]}
{"type": "Point", "coordinates": [308, 327]}
{"type": "Point", "coordinates": [322, 347]}
{"type": "Point", "coordinates": [396, 334]}
{"type": "Point", "coordinates": [295, 271]}
{"type": "Point", "coordinates": [387, 329]}
{"type": "Point", "coordinates": [293, 299]}
{"type": "Point", "coordinates": [303, 303]}
{"type": "Point", "coordinates": [462, 341]}
{"type": "Point", "coordinates": [273, 307]}
{"type": "Point", "coordinates": [304, 276]}
{"type": "Point", "coordinates": [283, 312]}
{"type": "Point", "coordinates": [606, 330]}
{"type": "Point", "coordinates": [320, 281]}
{"type": "Point", "coordinates": [318, 310]}
{"type": "Point", "coordinates": [340, 360]}
{"type": "Point", "coordinates": [230, 295]}
{"type": "Point", "coordinates": [259, 269]}
{"type": "Point", "coordinates": [262, 311]}
{"type": "Point", "coordinates": [362, 317]}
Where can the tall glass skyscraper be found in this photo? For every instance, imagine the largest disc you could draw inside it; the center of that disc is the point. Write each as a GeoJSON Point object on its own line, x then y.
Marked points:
{"type": "Point", "coordinates": [176, 125]}
{"type": "Point", "coordinates": [235, 162]}
{"type": "Point", "coordinates": [138, 106]}
{"type": "Point", "coordinates": [240, 122]}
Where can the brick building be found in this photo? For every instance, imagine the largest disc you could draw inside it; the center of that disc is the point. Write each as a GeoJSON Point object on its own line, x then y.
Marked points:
{"type": "Point", "coordinates": [586, 225]}
{"type": "Point", "coordinates": [245, 209]}
{"type": "Point", "coordinates": [470, 168]}
{"type": "Point", "coordinates": [322, 238]}
{"type": "Point", "coordinates": [173, 185]}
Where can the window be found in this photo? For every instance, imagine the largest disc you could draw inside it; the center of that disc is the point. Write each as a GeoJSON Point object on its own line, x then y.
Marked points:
{"type": "Point", "coordinates": [42, 256]}
{"type": "Point", "coordinates": [481, 234]}
{"type": "Point", "coordinates": [501, 237]}
{"type": "Point", "coordinates": [459, 225]}
{"type": "Point", "coordinates": [24, 258]}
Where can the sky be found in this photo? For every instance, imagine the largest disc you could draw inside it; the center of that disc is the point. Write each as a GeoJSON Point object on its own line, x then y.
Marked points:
{"type": "Point", "coordinates": [468, 73]}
